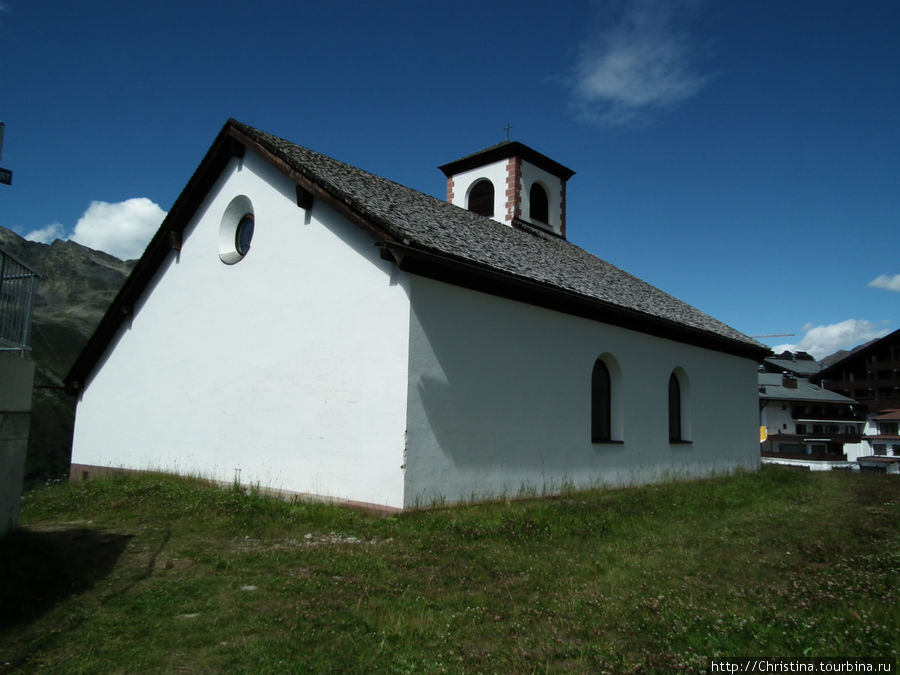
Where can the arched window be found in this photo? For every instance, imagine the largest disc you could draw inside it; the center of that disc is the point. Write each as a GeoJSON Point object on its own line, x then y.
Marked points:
{"type": "Point", "coordinates": [674, 409]}
{"type": "Point", "coordinates": [601, 403]}
{"type": "Point", "coordinates": [481, 198]}
{"type": "Point", "coordinates": [539, 208]}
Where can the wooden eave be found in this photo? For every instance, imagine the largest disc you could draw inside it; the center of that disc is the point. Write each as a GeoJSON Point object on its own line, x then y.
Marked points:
{"type": "Point", "coordinates": [466, 274]}
{"type": "Point", "coordinates": [504, 151]}
{"type": "Point", "coordinates": [223, 149]}
{"type": "Point", "coordinates": [336, 200]}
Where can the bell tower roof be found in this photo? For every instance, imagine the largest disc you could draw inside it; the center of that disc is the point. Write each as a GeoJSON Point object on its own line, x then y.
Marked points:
{"type": "Point", "coordinates": [505, 150]}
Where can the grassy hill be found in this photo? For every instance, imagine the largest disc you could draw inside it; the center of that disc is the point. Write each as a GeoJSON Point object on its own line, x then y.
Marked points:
{"type": "Point", "coordinates": [157, 573]}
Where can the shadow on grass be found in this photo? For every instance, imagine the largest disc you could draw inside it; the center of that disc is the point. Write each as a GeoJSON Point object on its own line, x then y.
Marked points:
{"type": "Point", "coordinates": [39, 569]}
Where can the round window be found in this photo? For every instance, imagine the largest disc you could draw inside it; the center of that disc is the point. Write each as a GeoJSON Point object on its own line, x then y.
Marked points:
{"type": "Point", "coordinates": [244, 234]}
{"type": "Point", "coordinates": [236, 230]}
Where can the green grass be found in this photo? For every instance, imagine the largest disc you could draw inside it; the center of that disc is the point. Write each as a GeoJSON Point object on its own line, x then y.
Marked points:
{"type": "Point", "coordinates": [157, 573]}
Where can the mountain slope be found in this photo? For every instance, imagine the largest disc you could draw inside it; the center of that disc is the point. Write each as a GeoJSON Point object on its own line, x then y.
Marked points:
{"type": "Point", "coordinates": [76, 286]}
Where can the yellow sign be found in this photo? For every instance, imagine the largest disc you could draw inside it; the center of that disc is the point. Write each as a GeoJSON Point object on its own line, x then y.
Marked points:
{"type": "Point", "coordinates": [763, 434]}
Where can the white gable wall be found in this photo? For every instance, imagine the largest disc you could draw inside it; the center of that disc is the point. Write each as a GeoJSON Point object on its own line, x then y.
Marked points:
{"type": "Point", "coordinates": [285, 369]}
{"type": "Point", "coordinates": [499, 401]}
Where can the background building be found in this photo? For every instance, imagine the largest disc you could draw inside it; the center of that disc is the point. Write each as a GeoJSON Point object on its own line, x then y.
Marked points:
{"type": "Point", "coordinates": [805, 424]}
{"type": "Point", "coordinates": [870, 373]}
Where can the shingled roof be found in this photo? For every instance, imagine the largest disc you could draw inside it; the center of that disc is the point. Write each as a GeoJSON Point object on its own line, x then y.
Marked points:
{"type": "Point", "coordinates": [428, 236]}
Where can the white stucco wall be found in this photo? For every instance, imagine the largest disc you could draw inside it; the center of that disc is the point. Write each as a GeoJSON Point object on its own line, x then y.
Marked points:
{"type": "Point", "coordinates": [777, 418]}
{"type": "Point", "coordinates": [499, 401]}
{"type": "Point", "coordinates": [866, 446]}
{"type": "Point", "coordinates": [286, 369]}
{"type": "Point", "coordinates": [496, 173]}
{"type": "Point", "coordinates": [552, 186]}
{"type": "Point", "coordinates": [854, 451]}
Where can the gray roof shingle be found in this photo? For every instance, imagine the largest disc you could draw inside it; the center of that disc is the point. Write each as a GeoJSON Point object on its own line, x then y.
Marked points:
{"type": "Point", "coordinates": [415, 218]}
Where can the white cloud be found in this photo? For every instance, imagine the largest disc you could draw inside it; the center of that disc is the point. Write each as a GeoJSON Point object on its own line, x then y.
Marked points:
{"type": "Point", "coordinates": [640, 60]}
{"type": "Point", "coordinates": [820, 341]}
{"type": "Point", "coordinates": [122, 229]}
{"type": "Point", "coordinates": [48, 234]}
{"type": "Point", "coordinates": [886, 281]}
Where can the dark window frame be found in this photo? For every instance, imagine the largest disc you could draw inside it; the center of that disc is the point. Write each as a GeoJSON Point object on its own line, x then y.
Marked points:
{"type": "Point", "coordinates": [601, 403]}
{"type": "Point", "coordinates": [539, 204]}
{"type": "Point", "coordinates": [481, 198]}
{"type": "Point", "coordinates": [243, 234]}
{"type": "Point", "coordinates": [676, 433]}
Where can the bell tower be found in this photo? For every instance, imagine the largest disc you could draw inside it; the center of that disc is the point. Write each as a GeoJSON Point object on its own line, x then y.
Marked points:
{"type": "Point", "coordinates": [512, 184]}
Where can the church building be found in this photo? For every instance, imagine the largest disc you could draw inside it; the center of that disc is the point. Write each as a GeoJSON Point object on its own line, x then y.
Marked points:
{"type": "Point", "coordinates": [302, 325]}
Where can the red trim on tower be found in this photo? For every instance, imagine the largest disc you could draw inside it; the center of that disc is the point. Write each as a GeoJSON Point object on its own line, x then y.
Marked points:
{"type": "Point", "coordinates": [513, 188]}
{"type": "Point", "coordinates": [562, 209]}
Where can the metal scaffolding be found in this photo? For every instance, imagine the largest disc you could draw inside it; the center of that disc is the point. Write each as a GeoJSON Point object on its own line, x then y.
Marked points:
{"type": "Point", "coordinates": [18, 286]}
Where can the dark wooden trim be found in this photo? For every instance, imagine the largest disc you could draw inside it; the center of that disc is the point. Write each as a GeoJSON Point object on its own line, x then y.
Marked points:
{"type": "Point", "coordinates": [505, 151]}
{"type": "Point", "coordinates": [350, 211]}
{"type": "Point", "coordinates": [229, 143]}
{"type": "Point", "coordinates": [475, 277]}
{"type": "Point", "coordinates": [223, 150]}
{"type": "Point", "coordinates": [304, 198]}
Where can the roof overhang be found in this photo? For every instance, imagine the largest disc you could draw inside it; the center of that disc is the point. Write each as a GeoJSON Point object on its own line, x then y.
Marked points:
{"type": "Point", "coordinates": [466, 274]}
{"type": "Point", "coordinates": [505, 150]}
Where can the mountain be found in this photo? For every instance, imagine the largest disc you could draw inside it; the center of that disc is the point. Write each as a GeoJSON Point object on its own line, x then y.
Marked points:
{"type": "Point", "coordinates": [77, 285]}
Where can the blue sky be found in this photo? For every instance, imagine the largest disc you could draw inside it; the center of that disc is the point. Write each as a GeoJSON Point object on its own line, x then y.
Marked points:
{"type": "Point", "coordinates": [742, 156]}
